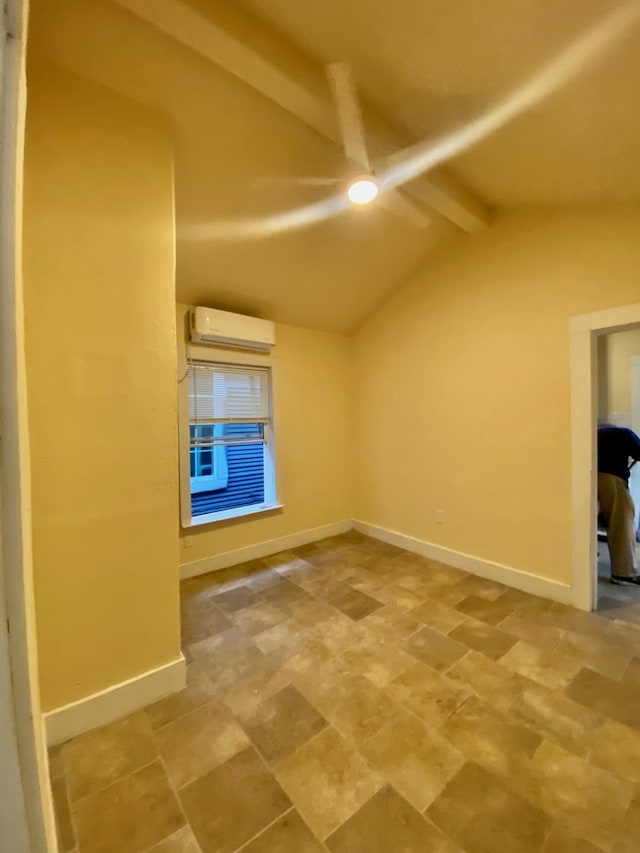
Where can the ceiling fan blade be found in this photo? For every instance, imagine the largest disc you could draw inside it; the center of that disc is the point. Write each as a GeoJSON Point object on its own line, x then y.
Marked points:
{"type": "Point", "coordinates": [300, 182]}
{"type": "Point", "coordinates": [349, 113]}
{"type": "Point", "coordinates": [400, 204]}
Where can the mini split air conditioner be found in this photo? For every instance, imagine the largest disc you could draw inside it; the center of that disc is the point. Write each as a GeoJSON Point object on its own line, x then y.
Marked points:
{"type": "Point", "coordinates": [221, 328]}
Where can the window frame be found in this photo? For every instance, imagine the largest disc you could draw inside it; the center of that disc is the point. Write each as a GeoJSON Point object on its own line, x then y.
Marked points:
{"type": "Point", "coordinates": [240, 358]}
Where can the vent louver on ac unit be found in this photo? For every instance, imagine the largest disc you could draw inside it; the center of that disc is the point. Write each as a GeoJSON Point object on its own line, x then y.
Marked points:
{"type": "Point", "coordinates": [224, 329]}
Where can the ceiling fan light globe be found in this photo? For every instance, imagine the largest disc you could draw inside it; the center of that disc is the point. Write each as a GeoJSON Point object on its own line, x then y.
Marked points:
{"type": "Point", "coordinates": [362, 190]}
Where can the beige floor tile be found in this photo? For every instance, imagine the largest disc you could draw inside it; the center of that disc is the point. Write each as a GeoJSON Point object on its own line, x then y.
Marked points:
{"type": "Point", "coordinates": [491, 681]}
{"type": "Point", "coordinates": [606, 696]}
{"type": "Point", "coordinates": [490, 739]}
{"type": "Point", "coordinates": [443, 590]}
{"type": "Point", "coordinates": [442, 572]}
{"type": "Point", "coordinates": [597, 651]}
{"type": "Point", "coordinates": [358, 709]}
{"type": "Point", "coordinates": [355, 604]}
{"type": "Point", "coordinates": [64, 827]}
{"type": "Point", "coordinates": [301, 573]}
{"type": "Point", "coordinates": [236, 599]}
{"type": "Point", "coordinates": [184, 841]}
{"type": "Point", "coordinates": [550, 668]}
{"type": "Point", "coordinates": [534, 628]}
{"type": "Point", "coordinates": [311, 658]}
{"type": "Point", "coordinates": [319, 684]}
{"type": "Point", "coordinates": [243, 667]}
{"type": "Point", "coordinates": [247, 693]}
{"type": "Point", "coordinates": [388, 551]}
{"type": "Point", "coordinates": [337, 633]}
{"type": "Point", "coordinates": [627, 841]}
{"type": "Point", "coordinates": [436, 650]}
{"type": "Point", "coordinates": [556, 717]}
{"type": "Point", "coordinates": [285, 639]}
{"type": "Point", "coordinates": [524, 602]}
{"type": "Point", "coordinates": [289, 834]}
{"type": "Point", "coordinates": [492, 642]}
{"type": "Point", "coordinates": [57, 769]}
{"type": "Point", "coordinates": [102, 756]}
{"type": "Point", "coordinates": [616, 748]}
{"type": "Point", "coordinates": [590, 802]}
{"type": "Point", "coordinates": [377, 566]}
{"type": "Point", "coordinates": [482, 815]}
{"type": "Point", "coordinates": [363, 580]}
{"type": "Point", "coordinates": [483, 588]}
{"type": "Point", "coordinates": [200, 617]}
{"type": "Point", "coordinates": [387, 823]}
{"type": "Point", "coordinates": [284, 594]}
{"type": "Point", "coordinates": [265, 577]}
{"type": "Point", "coordinates": [560, 841]}
{"type": "Point", "coordinates": [390, 624]}
{"type": "Point", "coordinates": [632, 672]}
{"type": "Point", "coordinates": [491, 612]}
{"type": "Point", "coordinates": [327, 780]}
{"type": "Point", "coordinates": [216, 652]}
{"type": "Point", "coordinates": [408, 576]}
{"type": "Point", "coordinates": [396, 596]}
{"type": "Point", "coordinates": [577, 622]}
{"type": "Point", "coordinates": [309, 612]}
{"type": "Point", "coordinates": [233, 803]}
{"type": "Point", "coordinates": [199, 691]}
{"type": "Point", "coordinates": [258, 617]}
{"type": "Point", "coordinates": [196, 743]}
{"type": "Point", "coordinates": [283, 560]}
{"type": "Point", "coordinates": [430, 695]}
{"type": "Point", "coordinates": [416, 760]}
{"type": "Point", "coordinates": [378, 661]}
{"type": "Point", "coordinates": [327, 588]}
{"type": "Point", "coordinates": [129, 816]}
{"type": "Point", "coordinates": [282, 724]}
{"type": "Point", "coordinates": [438, 616]}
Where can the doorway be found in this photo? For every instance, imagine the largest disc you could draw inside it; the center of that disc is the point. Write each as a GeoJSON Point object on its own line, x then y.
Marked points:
{"type": "Point", "coordinates": [618, 396]}
{"type": "Point", "coordinates": [586, 331]}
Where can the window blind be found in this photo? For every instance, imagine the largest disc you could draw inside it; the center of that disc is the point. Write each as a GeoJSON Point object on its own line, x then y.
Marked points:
{"type": "Point", "coordinates": [224, 394]}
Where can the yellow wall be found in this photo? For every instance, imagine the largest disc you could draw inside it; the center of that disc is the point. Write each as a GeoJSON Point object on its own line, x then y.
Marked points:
{"type": "Point", "coordinates": [313, 444]}
{"type": "Point", "coordinates": [462, 385]}
{"type": "Point", "coordinates": [100, 335]}
{"type": "Point", "coordinates": [614, 374]}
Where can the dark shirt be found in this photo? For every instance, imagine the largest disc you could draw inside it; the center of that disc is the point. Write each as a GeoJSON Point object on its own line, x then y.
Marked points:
{"type": "Point", "coordinates": [615, 446]}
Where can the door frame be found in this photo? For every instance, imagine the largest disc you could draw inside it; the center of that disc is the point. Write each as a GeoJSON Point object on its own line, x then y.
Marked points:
{"type": "Point", "coordinates": [26, 812]}
{"type": "Point", "coordinates": [585, 329]}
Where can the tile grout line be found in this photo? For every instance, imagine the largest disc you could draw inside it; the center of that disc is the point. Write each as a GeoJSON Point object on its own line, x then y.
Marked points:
{"type": "Point", "coordinates": [115, 782]}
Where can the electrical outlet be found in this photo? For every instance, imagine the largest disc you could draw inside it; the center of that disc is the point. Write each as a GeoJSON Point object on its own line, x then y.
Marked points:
{"type": "Point", "coordinates": [187, 542]}
{"type": "Point", "coordinates": [440, 516]}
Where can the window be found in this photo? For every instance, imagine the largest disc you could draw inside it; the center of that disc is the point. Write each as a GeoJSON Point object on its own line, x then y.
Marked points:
{"type": "Point", "coordinates": [230, 468]}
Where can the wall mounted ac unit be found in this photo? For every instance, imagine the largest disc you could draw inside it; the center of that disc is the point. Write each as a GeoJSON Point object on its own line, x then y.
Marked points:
{"type": "Point", "coordinates": [222, 328]}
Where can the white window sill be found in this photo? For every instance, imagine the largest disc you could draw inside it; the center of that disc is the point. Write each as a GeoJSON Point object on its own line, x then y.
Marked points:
{"type": "Point", "coordinates": [227, 514]}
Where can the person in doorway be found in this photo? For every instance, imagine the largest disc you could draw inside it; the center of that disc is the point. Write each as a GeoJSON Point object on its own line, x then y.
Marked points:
{"type": "Point", "coordinates": [616, 445]}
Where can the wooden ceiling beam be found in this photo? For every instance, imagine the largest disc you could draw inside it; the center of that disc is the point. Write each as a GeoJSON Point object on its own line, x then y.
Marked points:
{"type": "Point", "coordinates": [236, 41]}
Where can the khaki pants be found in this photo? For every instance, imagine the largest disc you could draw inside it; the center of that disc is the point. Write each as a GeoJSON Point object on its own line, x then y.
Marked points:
{"type": "Point", "coordinates": [616, 506]}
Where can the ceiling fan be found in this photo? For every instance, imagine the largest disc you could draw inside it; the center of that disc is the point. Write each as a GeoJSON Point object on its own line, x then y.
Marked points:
{"type": "Point", "coordinates": [363, 187]}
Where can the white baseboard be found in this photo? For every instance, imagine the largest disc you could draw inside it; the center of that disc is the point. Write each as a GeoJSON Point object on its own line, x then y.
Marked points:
{"type": "Point", "coordinates": [534, 584]}
{"type": "Point", "coordinates": [263, 549]}
{"type": "Point", "coordinates": [114, 702]}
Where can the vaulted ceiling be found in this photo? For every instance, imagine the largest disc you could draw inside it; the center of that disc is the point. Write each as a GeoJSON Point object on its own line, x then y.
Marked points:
{"type": "Point", "coordinates": [243, 87]}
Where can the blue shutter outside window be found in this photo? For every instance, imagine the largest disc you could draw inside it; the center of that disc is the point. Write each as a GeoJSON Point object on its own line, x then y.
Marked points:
{"type": "Point", "coordinates": [245, 475]}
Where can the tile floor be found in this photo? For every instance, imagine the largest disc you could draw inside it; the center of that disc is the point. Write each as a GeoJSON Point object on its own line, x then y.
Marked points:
{"type": "Point", "coordinates": [351, 697]}
{"type": "Point", "coordinates": [616, 602]}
